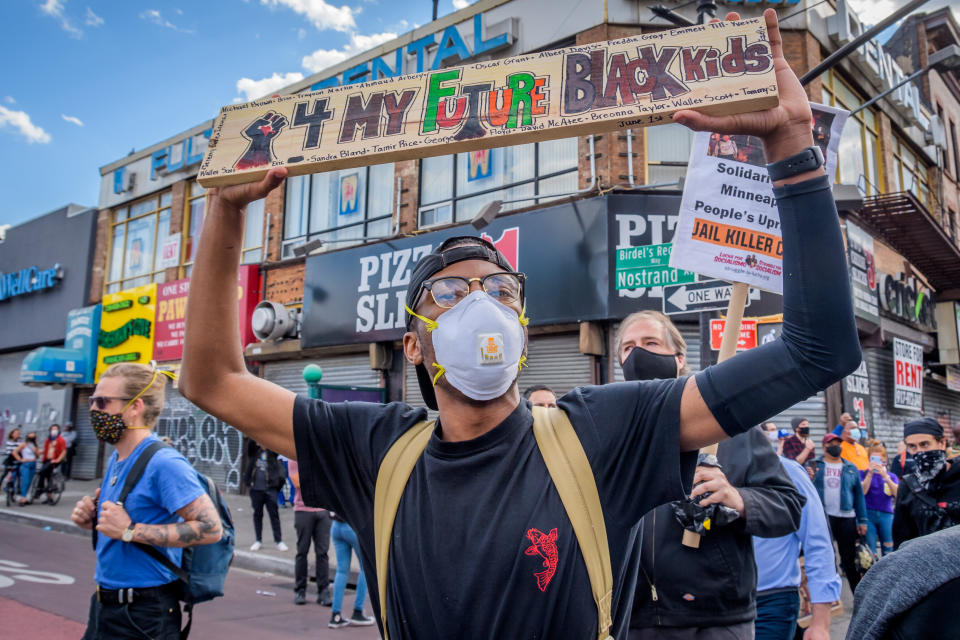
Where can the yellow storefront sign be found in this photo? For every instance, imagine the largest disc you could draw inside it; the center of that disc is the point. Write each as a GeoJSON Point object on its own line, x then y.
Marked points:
{"type": "Point", "coordinates": [126, 327]}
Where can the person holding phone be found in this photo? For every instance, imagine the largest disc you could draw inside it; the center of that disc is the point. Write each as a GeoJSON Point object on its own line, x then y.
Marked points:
{"type": "Point", "coordinates": [879, 490]}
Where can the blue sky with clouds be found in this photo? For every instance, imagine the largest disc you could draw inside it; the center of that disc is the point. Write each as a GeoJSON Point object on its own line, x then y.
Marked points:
{"type": "Point", "coordinates": [86, 81]}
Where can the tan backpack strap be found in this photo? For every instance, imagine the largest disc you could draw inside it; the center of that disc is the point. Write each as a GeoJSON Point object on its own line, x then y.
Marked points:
{"type": "Point", "coordinates": [391, 481]}
{"type": "Point", "coordinates": [571, 473]}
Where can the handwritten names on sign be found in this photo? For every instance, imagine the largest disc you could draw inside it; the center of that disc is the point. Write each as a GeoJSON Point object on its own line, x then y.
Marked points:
{"type": "Point", "coordinates": [719, 68]}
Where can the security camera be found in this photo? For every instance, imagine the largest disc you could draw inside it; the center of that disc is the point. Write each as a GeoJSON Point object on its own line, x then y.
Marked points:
{"type": "Point", "coordinates": [273, 321]}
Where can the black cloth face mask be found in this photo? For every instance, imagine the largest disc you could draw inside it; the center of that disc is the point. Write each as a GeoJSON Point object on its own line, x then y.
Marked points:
{"type": "Point", "coordinates": [643, 364]}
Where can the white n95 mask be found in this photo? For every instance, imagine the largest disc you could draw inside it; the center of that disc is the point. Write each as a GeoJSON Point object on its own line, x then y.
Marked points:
{"type": "Point", "coordinates": [478, 344]}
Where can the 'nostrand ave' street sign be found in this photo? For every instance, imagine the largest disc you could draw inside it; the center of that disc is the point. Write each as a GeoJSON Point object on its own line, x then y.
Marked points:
{"type": "Point", "coordinates": [719, 68]}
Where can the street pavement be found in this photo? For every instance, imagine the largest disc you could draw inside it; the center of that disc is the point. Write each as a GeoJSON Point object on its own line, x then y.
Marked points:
{"type": "Point", "coordinates": [46, 580]}
{"type": "Point", "coordinates": [239, 613]}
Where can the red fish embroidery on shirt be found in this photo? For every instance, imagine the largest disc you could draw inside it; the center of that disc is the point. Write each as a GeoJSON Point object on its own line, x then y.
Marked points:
{"type": "Point", "coordinates": [544, 545]}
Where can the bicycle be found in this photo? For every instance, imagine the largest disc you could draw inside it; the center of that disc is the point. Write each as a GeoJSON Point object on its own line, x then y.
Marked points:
{"type": "Point", "coordinates": [56, 485]}
{"type": "Point", "coordinates": [11, 483]}
{"type": "Point", "coordinates": [53, 487]}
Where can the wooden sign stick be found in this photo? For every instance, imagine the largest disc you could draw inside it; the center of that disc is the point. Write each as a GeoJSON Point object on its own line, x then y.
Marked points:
{"type": "Point", "coordinates": [719, 68]}
{"type": "Point", "coordinates": [728, 348]}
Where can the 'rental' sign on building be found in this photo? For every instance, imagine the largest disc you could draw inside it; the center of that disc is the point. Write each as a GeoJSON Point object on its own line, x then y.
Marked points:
{"type": "Point", "coordinates": [719, 68]}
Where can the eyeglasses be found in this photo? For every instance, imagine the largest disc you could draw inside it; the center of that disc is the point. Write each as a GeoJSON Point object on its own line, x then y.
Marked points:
{"type": "Point", "coordinates": [503, 287]}
{"type": "Point", "coordinates": [100, 402]}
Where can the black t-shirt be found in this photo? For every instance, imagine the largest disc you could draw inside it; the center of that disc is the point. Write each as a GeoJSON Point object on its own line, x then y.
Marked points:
{"type": "Point", "coordinates": [482, 546]}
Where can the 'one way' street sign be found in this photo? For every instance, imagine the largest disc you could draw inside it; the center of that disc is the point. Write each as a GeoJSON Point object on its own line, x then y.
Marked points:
{"type": "Point", "coordinates": [706, 295]}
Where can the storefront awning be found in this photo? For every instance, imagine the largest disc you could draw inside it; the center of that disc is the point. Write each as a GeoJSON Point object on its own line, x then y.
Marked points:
{"type": "Point", "coordinates": [907, 226]}
{"type": "Point", "coordinates": [54, 365]}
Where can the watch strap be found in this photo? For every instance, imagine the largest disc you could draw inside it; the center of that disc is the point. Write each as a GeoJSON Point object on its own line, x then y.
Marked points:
{"type": "Point", "coordinates": [807, 160]}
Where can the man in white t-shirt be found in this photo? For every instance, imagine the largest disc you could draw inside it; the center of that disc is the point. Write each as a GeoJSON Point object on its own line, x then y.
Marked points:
{"type": "Point", "coordinates": [838, 483]}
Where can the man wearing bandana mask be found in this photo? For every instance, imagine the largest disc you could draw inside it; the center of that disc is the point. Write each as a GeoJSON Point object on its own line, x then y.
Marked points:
{"type": "Point", "coordinates": [929, 498]}
{"type": "Point", "coordinates": [682, 591]}
{"type": "Point", "coordinates": [481, 545]}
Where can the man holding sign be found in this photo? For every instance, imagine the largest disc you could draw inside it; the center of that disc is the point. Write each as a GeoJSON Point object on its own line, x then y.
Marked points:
{"type": "Point", "coordinates": [481, 544]}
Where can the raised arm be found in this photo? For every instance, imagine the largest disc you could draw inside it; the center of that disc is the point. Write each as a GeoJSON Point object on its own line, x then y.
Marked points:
{"type": "Point", "coordinates": [819, 344]}
{"type": "Point", "coordinates": [214, 375]}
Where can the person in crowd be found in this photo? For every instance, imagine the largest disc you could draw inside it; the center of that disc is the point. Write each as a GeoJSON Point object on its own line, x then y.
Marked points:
{"type": "Point", "coordinates": [70, 437]}
{"type": "Point", "coordinates": [682, 591]}
{"type": "Point", "coordinates": [773, 434]}
{"type": "Point", "coordinates": [879, 490]}
{"type": "Point", "coordinates": [282, 499]}
{"type": "Point", "coordinates": [799, 446]}
{"type": "Point", "coordinates": [953, 450]}
{"type": "Point", "coordinates": [54, 454]}
{"type": "Point", "coordinates": [27, 453]}
{"type": "Point", "coordinates": [929, 497]}
{"type": "Point", "coordinates": [264, 476]}
{"type": "Point", "coordinates": [910, 594]}
{"type": "Point", "coordinates": [838, 484]}
{"type": "Point", "coordinates": [312, 525]}
{"type": "Point", "coordinates": [540, 395]}
{"type": "Point", "coordinates": [137, 596]}
{"type": "Point", "coordinates": [852, 450]}
{"type": "Point", "coordinates": [844, 419]}
{"type": "Point", "coordinates": [344, 545]}
{"type": "Point", "coordinates": [481, 455]}
{"type": "Point", "coordinates": [10, 464]}
{"type": "Point", "coordinates": [10, 445]}
{"type": "Point", "coordinates": [902, 463]}
{"type": "Point", "coordinates": [778, 570]}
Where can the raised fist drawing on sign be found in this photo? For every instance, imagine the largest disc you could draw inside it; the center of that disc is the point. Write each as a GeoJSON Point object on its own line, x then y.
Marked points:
{"type": "Point", "coordinates": [260, 133]}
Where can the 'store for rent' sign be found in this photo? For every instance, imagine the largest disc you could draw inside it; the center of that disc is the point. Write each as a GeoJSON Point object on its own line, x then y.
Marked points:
{"type": "Point", "coordinates": [719, 68]}
{"type": "Point", "coordinates": [907, 375]}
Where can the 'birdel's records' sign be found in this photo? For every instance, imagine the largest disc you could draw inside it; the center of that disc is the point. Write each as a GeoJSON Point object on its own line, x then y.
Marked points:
{"type": "Point", "coordinates": [718, 68]}
{"type": "Point", "coordinates": [357, 295]}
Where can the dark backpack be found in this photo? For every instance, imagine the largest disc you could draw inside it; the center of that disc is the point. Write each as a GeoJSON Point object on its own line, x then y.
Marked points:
{"type": "Point", "coordinates": [203, 569]}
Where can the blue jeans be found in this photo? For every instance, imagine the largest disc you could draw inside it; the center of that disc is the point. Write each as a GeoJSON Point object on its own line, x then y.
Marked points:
{"type": "Point", "coordinates": [344, 543]}
{"type": "Point", "coordinates": [776, 615]}
{"type": "Point", "coordinates": [27, 469]}
{"type": "Point", "coordinates": [281, 500]}
{"type": "Point", "coordinates": [880, 522]}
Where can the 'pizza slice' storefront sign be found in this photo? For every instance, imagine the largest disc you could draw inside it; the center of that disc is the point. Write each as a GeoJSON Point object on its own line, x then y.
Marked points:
{"type": "Point", "coordinates": [126, 327]}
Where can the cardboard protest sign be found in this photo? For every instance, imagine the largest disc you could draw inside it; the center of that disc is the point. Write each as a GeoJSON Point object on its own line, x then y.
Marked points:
{"type": "Point", "coordinates": [719, 68]}
{"type": "Point", "coordinates": [729, 225]}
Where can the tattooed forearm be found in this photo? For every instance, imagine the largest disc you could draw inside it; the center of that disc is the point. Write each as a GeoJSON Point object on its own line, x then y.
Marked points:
{"type": "Point", "coordinates": [201, 526]}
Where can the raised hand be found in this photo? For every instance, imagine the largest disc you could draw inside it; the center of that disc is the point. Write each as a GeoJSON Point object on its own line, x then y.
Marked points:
{"type": "Point", "coordinates": [784, 129]}
{"type": "Point", "coordinates": [260, 133]}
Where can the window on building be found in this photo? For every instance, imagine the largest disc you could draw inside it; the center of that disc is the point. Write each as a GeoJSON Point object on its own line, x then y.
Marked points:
{"type": "Point", "coordinates": [858, 157]}
{"type": "Point", "coordinates": [137, 232]}
{"type": "Point", "coordinates": [948, 166]}
{"type": "Point", "coordinates": [668, 151]}
{"type": "Point", "coordinates": [195, 209]}
{"type": "Point", "coordinates": [956, 153]}
{"type": "Point", "coordinates": [455, 188]}
{"type": "Point", "coordinates": [911, 173]}
{"type": "Point", "coordinates": [339, 207]}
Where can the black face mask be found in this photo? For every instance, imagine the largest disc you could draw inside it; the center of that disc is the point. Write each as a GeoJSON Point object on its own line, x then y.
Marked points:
{"type": "Point", "coordinates": [834, 450]}
{"type": "Point", "coordinates": [803, 431]}
{"type": "Point", "coordinates": [929, 465]}
{"type": "Point", "coordinates": [642, 364]}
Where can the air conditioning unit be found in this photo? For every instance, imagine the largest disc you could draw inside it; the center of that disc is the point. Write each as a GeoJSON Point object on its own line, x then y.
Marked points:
{"type": "Point", "coordinates": [271, 321]}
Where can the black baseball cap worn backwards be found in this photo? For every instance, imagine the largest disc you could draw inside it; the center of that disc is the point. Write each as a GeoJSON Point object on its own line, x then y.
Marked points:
{"type": "Point", "coordinates": [467, 248]}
